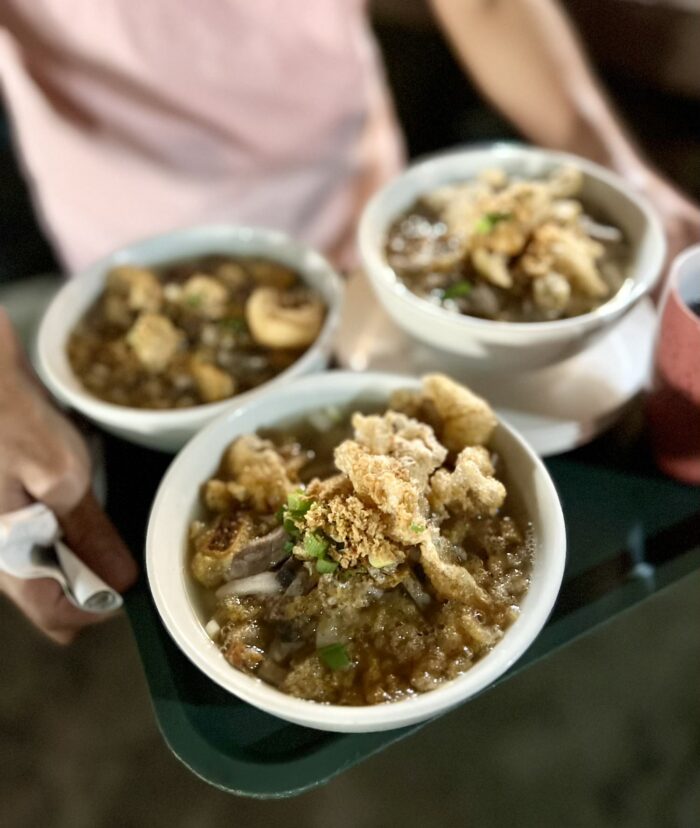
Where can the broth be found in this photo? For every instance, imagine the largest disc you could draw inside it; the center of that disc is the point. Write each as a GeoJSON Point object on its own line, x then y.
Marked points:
{"type": "Point", "coordinates": [508, 250]}
{"type": "Point", "coordinates": [193, 332]}
{"type": "Point", "coordinates": [338, 626]}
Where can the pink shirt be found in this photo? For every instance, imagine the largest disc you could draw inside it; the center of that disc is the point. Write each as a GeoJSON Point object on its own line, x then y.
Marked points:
{"type": "Point", "coordinates": [134, 117]}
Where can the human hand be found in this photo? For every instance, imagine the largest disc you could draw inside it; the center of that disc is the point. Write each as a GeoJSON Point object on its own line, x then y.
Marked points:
{"type": "Point", "coordinates": [43, 458]}
{"type": "Point", "coordinates": [680, 215]}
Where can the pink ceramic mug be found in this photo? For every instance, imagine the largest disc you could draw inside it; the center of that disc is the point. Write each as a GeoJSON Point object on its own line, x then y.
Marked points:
{"type": "Point", "coordinates": [674, 404]}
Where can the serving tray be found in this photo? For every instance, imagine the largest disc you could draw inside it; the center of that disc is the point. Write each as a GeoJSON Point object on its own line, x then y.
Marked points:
{"type": "Point", "coordinates": [630, 531]}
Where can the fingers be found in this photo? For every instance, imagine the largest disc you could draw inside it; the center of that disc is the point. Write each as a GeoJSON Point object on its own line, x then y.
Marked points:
{"type": "Point", "coordinates": [12, 495]}
{"type": "Point", "coordinates": [14, 357]}
{"type": "Point", "coordinates": [43, 458]}
{"type": "Point", "coordinates": [38, 445]}
{"type": "Point", "coordinates": [94, 539]}
{"type": "Point", "coordinates": [54, 466]}
{"type": "Point", "coordinates": [42, 601]}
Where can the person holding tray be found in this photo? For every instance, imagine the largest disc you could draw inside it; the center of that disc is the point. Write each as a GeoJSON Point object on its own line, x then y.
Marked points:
{"type": "Point", "coordinates": [133, 119]}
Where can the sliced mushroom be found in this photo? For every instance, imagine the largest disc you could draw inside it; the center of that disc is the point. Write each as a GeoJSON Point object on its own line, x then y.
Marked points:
{"type": "Point", "coordinates": [284, 319]}
{"type": "Point", "coordinates": [259, 555]}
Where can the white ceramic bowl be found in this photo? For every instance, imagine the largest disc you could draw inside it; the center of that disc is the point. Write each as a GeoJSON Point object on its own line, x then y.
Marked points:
{"type": "Point", "coordinates": [176, 504]}
{"type": "Point", "coordinates": [509, 345]}
{"type": "Point", "coordinates": [169, 430]}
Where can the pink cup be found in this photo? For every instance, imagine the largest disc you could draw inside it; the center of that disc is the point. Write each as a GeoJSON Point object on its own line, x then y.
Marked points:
{"type": "Point", "coordinates": [674, 404]}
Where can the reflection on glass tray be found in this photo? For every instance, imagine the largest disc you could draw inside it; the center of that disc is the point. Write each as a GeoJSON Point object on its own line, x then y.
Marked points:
{"type": "Point", "coordinates": [556, 408]}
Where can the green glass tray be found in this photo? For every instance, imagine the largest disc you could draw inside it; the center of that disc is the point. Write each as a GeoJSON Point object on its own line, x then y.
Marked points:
{"type": "Point", "coordinates": [630, 532]}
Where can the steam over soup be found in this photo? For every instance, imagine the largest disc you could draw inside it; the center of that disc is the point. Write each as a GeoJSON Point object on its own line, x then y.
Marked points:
{"type": "Point", "coordinates": [193, 332]}
{"type": "Point", "coordinates": [359, 558]}
{"type": "Point", "coordinates": [508, 249]}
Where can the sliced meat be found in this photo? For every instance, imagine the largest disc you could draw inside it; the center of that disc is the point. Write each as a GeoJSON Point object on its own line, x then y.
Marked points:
{"type": "Point", "coordinates": [259, 555]}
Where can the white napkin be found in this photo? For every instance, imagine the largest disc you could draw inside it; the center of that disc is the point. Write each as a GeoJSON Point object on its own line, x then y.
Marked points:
{"type": "Point", "coordinates": [29, 536]}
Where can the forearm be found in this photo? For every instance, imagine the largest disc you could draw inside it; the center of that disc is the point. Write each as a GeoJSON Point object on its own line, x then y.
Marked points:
{"type": "Point", "coordinates": [525, 57]}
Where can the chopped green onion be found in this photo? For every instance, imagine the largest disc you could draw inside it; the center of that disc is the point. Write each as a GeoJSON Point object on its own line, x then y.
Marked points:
{"type": "Point", "coordinates": [461, 288]}
{"type": "Point", "coordinates": [298, 504]}
{"type": "Point", "coordinates": [324, 566]}
{"type": "Point", "coordinates": [290, 527]}
{"type": "Point", "coordinates": [315, 545]}
{"type": "Point", "coordinates": [194, 300]}
{"type": "Point", "coordinates": [288, 547]}
{"type": "Point", "coordinates": [489, 220]}
{"type": "Point", "coordinates": [335, 656]}
{"type": "Point", "coordinates": [236, 324]}
{"type": "Point", "coordinates": [334, 413]}
{"type": "Point", "coordinates": [418, 528]}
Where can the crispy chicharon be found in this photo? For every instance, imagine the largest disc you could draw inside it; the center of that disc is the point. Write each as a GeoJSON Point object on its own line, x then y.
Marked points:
{"type": "Point", "coordinates": [393, 573]}
{"type": "Point", "coordinates": [408, 440]}
{"type": "Point", "coordinates": [264, 474]}
{"type": "Point", "coordinates": [215, 548]}
{"type": "Point", "coordinates": [396, 485]}
{"type": "Point", "coordinates": [460, 417]}
{"type": "Point", "coordinates": [508, 249]}
{"type": "Point", "coordinates": [361, 531]}
{"type": "Point", "coordinates": [387, 484]}
{"type": "Point", "coordinates": [471, 490]}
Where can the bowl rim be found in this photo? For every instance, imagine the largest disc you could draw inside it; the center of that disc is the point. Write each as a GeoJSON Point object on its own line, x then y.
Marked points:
{"type": "Point", "coordinates": [199, 649]}
{"type": "Point", "coordinates": [81, 399]}
{"type": "Point", "coordinates": [690, 257]}
{"type": "Point", "coordinates": [386, 279]}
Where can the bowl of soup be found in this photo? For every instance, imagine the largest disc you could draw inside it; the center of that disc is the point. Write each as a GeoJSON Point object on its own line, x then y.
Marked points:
{"type": "Point", "coordinates": [154, 341]}
{"type": "Point", "coordinates": [359, 552]}
{"type": "Point", "coordinates": [510, 256]}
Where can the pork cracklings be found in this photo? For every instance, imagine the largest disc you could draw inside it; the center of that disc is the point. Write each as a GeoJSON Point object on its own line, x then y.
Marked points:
{"type": "Point", "coordinates": [508, 249]}
{"type": "Point", "coordinates": [359, 558]}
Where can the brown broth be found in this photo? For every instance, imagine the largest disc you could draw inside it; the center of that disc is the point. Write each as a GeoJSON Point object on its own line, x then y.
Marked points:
{"type": "Point", "coordinates": [101, 358]}
{"type": "Point", "coordinates": [441, 285]}
{"type": "Point", "coordinates": [396, 647]}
